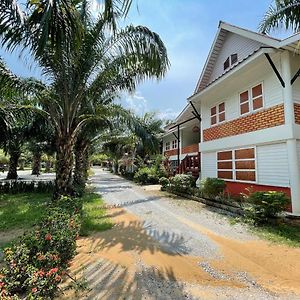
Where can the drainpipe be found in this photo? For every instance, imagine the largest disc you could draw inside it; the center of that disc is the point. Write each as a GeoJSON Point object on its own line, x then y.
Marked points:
{"type": "Point", "coordinates": [293, 162]}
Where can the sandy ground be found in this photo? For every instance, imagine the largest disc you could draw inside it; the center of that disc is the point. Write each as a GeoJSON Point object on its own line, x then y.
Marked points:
{"type": "Point", "coordinates": [162, 248]}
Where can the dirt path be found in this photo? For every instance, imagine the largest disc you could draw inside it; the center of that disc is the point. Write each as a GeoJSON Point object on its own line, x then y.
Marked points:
{"type": "Point", "coordinates": [161, 248]}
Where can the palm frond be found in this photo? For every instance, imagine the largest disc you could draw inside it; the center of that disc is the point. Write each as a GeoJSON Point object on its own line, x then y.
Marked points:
{"type": "Point", "coordinates": [283, 13]}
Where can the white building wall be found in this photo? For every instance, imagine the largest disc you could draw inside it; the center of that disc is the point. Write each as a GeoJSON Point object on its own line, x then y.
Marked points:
{"type": "Point", "coordinates": [208, 165]}
{"type": "Point", "coordinates": [272, 165]}
{"type": "Point", "coordinates": [298, 150]}
{"type": "Point", "coordinates": [295, 64]}
{"type": "Point", "coordinates": [271, 88]}
{"type": "Point", "coordinates": [233, 44]}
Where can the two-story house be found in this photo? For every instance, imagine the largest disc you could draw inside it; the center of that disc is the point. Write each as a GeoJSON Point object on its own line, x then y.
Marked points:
{"type": "Point", "coordinates": [246, 107]}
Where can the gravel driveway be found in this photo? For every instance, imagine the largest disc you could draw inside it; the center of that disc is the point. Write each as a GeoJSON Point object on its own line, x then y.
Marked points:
{"type": "Point", "coordinates": [171, 248]}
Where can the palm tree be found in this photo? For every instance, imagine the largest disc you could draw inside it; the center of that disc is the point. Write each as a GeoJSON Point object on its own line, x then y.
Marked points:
{"type": "Point", "coordinates": [283, 13]}
{"type": "Point", "coordinates": [107, 59]}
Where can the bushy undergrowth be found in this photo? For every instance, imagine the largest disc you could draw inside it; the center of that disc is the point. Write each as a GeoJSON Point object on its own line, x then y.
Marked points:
{"type": "Point", "coordinates": [36, 264]}
{"type": "Point", "coordinates": [260, 207]}
{"type": "Point", "coordinates": [212, 187]}
{"type": "Point", "coordinates": [15, 187]}
{"type": "Point", "coordinates": [182, 183]}
{"type": "Point", "coordinates": [149, 175]}
{"type": "Point", "coordinates": [164, 182]}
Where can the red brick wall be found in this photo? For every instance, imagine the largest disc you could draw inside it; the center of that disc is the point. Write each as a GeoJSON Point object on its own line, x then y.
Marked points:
{"type": "Point", "coordinates": [170, 152]}
{"type": "Point", "coordinates": [190, 149]}
{"type": "Point", "coordinates": [263, 119]}
{"type": "Point", "coordinates": [297, 113]}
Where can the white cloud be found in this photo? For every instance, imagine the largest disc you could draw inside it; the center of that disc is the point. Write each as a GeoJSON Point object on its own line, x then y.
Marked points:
{"type": "Point", "coordinates": [168, 114]}
{"type": "Point", "coordinates": [136, 102]}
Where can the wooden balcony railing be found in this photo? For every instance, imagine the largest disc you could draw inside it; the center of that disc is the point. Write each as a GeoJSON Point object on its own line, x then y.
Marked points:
{"type": "Point", "coordinates": [190, 164]}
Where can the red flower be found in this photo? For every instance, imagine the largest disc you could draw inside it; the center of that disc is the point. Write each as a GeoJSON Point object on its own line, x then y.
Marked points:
{"type": "Point", "coordinates": [48, 237]}
{"type": "Point", "coordinates": [52, 271]}
{"type": "Point", "coordinates": [34, 290]}
{"type": "Point", "coordinates": [57, 278]}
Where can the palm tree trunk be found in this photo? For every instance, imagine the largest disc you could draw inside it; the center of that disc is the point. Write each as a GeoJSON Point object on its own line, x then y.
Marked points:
{"type": "Point", "coordinates": [36, 167]}
{"type": "Point", "coordinates": [64, 167]}
{"type": "Point", "coordinates": [81, 165]}
{"type": "Point", "coordinates": [13, 164]}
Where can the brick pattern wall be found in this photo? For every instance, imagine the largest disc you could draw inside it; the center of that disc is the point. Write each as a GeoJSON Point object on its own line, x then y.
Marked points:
{"type": "Point", "coordinates": [297, 113]}
{"type": "Point", "coordinates": [170, 152]}
{"type": "Point", "coordinates": [263, 119]}
{"type": "Point", "coordinates": [190, 149]}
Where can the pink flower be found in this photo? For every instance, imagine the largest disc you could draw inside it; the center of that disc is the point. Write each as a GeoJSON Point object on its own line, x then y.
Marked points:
{"type": "Point", "coordinates": [34, 290]}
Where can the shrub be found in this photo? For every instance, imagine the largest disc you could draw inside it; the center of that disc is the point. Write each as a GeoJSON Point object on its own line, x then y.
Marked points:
{"type": "Point", "coordinates": [146, 175]}
{"type": "Point", "coordinates": [164, 182]}
{"type": "Point", "coordinates": [36, 264]}
{"type": "Point", "coordinates": [15, 187]}
{"type": "Point", "coordinates": [182, 183]}
{"type": "Point", "coordinates": [212, 187]}
{"type": "Point", "coordinates": [263, 206]}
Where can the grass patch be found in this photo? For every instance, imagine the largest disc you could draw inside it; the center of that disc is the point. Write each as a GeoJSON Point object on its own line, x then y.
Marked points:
{"type": "Point", "coordinates": [21, 210]}
{"type": "Point", "coordinates": [280, 233]}
{"type": "Point", "coordinates": [94, 214]}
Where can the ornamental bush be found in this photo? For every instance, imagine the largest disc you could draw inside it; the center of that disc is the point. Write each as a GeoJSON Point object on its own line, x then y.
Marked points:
{"type": "Point", "coordinates": [35, 265]}
{"type": "Point", "coordinates": [263, 206]}
{"type": "Point", "coordinates": [212, 187]}
{"type": "Point", "coordinates": [146, 175]}
{"type": "Point", "coordinates": [182, 183]}
{"type": "Point", "coordinates": [164, 182]}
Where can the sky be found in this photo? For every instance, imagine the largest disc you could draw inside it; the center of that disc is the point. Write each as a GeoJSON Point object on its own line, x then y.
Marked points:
{"type": "Point", "coordinates": [188, 28]}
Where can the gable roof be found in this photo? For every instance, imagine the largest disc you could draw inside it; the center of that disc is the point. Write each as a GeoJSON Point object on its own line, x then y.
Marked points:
{"type": "Point", "coordinates": [290, 43]}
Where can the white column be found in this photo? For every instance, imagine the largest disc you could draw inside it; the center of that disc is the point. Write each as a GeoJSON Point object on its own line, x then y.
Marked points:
{"type": "Point", "coordinates": [294, 165]}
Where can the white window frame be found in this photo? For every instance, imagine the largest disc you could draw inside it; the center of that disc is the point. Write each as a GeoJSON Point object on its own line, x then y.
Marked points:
{"type": "Point", "coordinates": [217, 113]}
{"type": "Point", "coordinates": [168, 146]}
{"type": "Point", "coordinates": [230, 61]}
{"type": "Point", "coordinates": [240, 159]}
{"type": "Point", "coordinates": [174, 142]}
{"type": "Point", "coordinates": [250, 100]}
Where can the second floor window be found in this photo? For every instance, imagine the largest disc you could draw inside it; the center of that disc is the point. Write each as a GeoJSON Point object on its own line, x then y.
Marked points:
{"type": "Point", "coordinates": [251, 100]}
{"type": "Point", "coordinates": [230, 61]}
{"type": "Point", "coordinates": [167, 145]}
{"type": "Point", "coordinates": [174, 144]}
{"type": "Point", "coordinates": [217, 114]}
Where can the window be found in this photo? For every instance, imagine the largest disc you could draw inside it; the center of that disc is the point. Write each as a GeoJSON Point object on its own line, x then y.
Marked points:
{"type": "Point", "coordinates": [174, 144]}
{"type": "Point", "coordinates": [167, 145]}
{"type": "Point", "coordinates": [217, 114]}
{"type": "Point", "coordinates": [237, 164]}
{"type": "Point", "coordinates": [230, 61]}
{"type": "Point", "coordinates": [251, 99]}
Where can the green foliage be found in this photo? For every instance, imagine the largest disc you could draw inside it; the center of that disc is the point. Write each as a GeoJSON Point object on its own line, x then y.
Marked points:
{"type": "Point", "coordinates": [147, 175]}
{"type": "Point", "coordinates": [182, 183]}
{"type": "Point", "coordinates": [212, 187]}
{"type": "Point", "coordinates": [263, 206]}
{"type": "Point", "coordinates": [164, 182]}
{"type": "Point", "coordinates": [16, 187]}
{"type": "Point", "coordinates": [35, 265]}
{"type": "Point", "coordinates": [98, 159]}
{"type": "Point", "coordinates": [4, 159]}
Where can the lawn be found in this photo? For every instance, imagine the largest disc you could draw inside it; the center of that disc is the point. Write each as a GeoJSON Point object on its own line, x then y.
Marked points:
{"type": "Point", "coordinates": [20, 212]}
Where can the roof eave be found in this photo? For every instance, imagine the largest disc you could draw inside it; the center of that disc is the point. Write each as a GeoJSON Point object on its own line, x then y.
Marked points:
{"type": "Point", "coordinates": [231, 72]}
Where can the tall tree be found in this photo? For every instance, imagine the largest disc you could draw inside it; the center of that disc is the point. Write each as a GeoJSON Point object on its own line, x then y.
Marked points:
{"type": "Point", "coordinates": [77, 70]}
{"type": "Point", "coordinates": [282, 13]}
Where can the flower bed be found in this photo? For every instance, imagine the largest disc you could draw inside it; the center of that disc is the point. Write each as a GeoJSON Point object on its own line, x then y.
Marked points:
{"type": "Point", "coordinates": [36, 264]}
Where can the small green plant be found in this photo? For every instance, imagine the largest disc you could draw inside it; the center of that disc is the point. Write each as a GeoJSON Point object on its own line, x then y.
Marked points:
{"type": "Point", "coordinates": [264, 206]}
{"type": "Point", "coordinates": [212, 187]}
{"type": "Point", "coordinates": [146, 175]}
{"type": "Point", "coordinates": [182, 183]}
{"type": "Point", "coordinates": [164, 182]}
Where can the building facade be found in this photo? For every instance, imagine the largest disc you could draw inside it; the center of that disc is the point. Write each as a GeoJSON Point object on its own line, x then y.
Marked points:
{"type": "Point", "coordinates": [247, 108]}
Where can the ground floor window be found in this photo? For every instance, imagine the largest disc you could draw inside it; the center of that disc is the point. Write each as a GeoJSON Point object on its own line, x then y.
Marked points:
{"type": "Point", "coordinates": [237, 164]}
